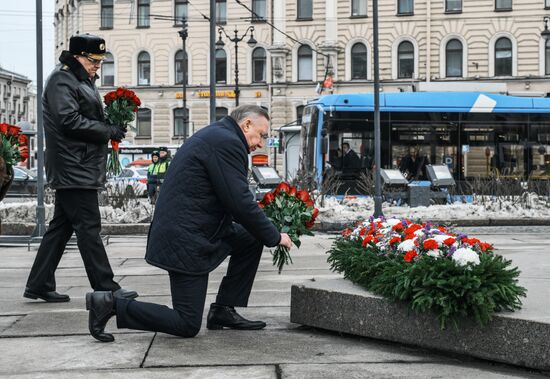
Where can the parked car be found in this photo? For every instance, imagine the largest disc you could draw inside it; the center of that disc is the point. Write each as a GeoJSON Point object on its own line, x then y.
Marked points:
{"type": "Point", "coordinates": [131, 181]}
{"type": "Point", "coordinates": [24, 183]}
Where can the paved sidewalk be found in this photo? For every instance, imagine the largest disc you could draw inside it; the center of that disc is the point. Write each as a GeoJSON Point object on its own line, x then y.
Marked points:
{"type": "Point", "coordinates": [52, 340]}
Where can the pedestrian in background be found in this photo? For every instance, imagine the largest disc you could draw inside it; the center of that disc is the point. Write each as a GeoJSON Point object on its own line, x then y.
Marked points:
{"type": "Point", "coordinates": [204, 213]}
{"type": "Point", "coordinates": [152, 177]}
{"type": "Point", "coordinates": [76, 154]}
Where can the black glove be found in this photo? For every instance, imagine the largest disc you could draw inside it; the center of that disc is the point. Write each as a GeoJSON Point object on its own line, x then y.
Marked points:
{"type": "Point", "coordinates": [117, 132]}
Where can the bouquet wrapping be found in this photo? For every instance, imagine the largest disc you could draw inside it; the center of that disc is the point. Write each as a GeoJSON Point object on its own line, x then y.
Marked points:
{"type": "Point", "coordinates": [293, 212]}
{"type": "Point", "coordinates": [120, 108]}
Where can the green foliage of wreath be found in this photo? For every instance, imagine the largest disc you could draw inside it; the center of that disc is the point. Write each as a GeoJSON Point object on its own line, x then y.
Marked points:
{"type": "Point", "coordinates": [428, 284]}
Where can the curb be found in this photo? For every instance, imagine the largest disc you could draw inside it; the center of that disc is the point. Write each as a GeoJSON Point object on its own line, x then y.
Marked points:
{"type": "Point", "coordinates": [341, 306]}
{"type": "Point", "coordinates": [20, 229]}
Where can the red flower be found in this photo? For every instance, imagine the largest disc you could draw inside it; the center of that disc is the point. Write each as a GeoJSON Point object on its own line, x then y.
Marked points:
{"type": "Point", "coordinates": [268, 198]}
{"type": "Point", "coordinates": [315, 214]}
{"type": "Point", "coordinates": [346, 232]}
{"type": "Point", "coordinates": [114, 144]}
{"type": "Point", "coordinates": [282, 187]}
{"type": "Point", "coordinates": [13, 130]}
{"type": "Point", "coordinates": [430, 244]}
{"type": "Point", "coordinates": [449, 241]}
{"type": "Point", "coordinates": [409, 236]}
{"type": "Point", "coordinates": [362, 231]}
{"type": "Point", "coordinates": [303, 195]}
{"type": "Point", "coordinates": [120, 92]}
{"type": "Point", "coordinates": [412, 228]}
{"type": "Point", "coordinates": [410, 255]}
{"type": "Point", "coordinates": [309, 203]}
{"type": "Point", "coordinates": [395, 240]}
{"type": "Point", "coordinates": [485, 246]}
{"type": "Point", "coordinates": [367, 240]}
{"type": "Point", "coordinates": [3, 128]}
{"type": "Point", "coordinates": [397, 227]}
{"type": "Point", "coordinates": [292, 191]}
{"type": "Point", "coordinates": [310, 224]}
{"type": "Point", "coordinates": [23, 153]}
{"type": "Point", "coordinates": [23, 139]}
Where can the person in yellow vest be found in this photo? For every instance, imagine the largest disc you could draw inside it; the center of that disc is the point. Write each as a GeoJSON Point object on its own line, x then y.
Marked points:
{"type": "Point", "coordinates": [164, 162]}
{"type": "Point", "coordinates": [152, 179]}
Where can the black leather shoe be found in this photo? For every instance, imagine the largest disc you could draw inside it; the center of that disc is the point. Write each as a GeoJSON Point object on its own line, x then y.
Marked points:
{"type": "Point", "coordinates": [221, 316]}
{"type": "Point", "coordinates": [49, 297]}
{"type": "Point", "coordinates": [101, 305]}
{"type": "Point", "coordinates": [125, 294]}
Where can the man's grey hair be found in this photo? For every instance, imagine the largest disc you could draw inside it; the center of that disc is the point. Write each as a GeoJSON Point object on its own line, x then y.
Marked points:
{"type": "Point", "coordinates": [244, 111]}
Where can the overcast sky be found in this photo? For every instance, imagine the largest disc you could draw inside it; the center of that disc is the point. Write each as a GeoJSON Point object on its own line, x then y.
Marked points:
{"type": "Point", "coordinates": [18, 36]}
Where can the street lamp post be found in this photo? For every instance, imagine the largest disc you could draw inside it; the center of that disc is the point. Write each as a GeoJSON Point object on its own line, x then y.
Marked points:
{"type": "Point", "coordinates": [183, 34]}
{"type": "Point", "coordinates": [377, 141]}
{"type": "Point", "coordinates": [251, 42]}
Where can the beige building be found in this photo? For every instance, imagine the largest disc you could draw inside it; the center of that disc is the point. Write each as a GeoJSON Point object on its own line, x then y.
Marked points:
{"type": "Point", "coordinates": [444, 45]}
{"type": "Point", "coordinates": [17, 99]}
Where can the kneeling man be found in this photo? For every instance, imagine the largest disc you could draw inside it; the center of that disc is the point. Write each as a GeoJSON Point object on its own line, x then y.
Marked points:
{"type": "Point", "coordinates": [204, 213]}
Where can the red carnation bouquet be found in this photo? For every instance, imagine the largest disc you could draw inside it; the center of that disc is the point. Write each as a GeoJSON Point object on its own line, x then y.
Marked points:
{"type": "Point", "coordinates": [13, 145]}
{"type": "Point", "coordinates": [120, 106]}
{"type": "Point", "coordinates": [293, 212]}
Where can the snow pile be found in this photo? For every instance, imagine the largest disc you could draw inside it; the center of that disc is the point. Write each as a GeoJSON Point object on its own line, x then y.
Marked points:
{"type": "Point", "coordinates": [333, 210]}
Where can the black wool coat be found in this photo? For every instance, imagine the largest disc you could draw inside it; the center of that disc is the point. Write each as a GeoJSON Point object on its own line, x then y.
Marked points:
{"type": "Point", "coordinates": [205, 190]}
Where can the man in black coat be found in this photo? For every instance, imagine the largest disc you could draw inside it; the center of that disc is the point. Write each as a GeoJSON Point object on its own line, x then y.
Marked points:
{"type": "Point", "coordinates": [76, 152]}
{"type": "Point", "coordinates": [204, 213]}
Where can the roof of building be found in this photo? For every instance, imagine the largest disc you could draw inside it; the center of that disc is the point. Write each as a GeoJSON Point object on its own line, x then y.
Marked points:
{"type": "Point", "coordinates": [10, 74]}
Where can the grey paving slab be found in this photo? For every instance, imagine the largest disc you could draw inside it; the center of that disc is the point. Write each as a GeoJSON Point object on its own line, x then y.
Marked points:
{"type": "Point", "coordinates": [218, 372]}
{"type": "Point", "coordinates": [75, 322]}
{"type": "Point", "coordinates": [397, 370]}
{"type": "Point", "coordinates": [7, 321]}
{"type": "Point", "coordinates": [40, 354]}
{"type": "Point", "coordinates": [230, 347]}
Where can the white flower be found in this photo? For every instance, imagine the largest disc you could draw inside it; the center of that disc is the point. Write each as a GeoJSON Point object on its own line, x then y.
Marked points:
{"type": "Point", "coordinates": [436, 253]}
{"type": "Point", "coordinates": [406, 245]}
{"type": "Point", "coordinates": [465, 255]}
{"type": "Point", "coordinates": [392, 222]}
{"type": "Point", "coordinates": [419, 233]}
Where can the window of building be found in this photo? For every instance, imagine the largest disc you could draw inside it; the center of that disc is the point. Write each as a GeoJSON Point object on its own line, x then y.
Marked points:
{"type": "Point", "coordinates": [143, 123]}
{"type": "Point", "coordinates": [221, 112]}
{"type": "Point", "coordinates": [503, 5]}
{"type": "Point", "coordinates": [299, 113]}
{"type": "Point", "coordinates": [143, 11]}
{"type": "Point", "coordinates": [405, 60]}
{"type": "Point", "coordinates": [546, 4]}
{"type": "Point", "coordinates": [259, 7]}
{"type": "Point", "coordinates": [221, 66]}
{"type": "Point", "coordinates": [547, 58]}
{"type": "Point", "coordinates": [503, 57]}
{"type": "Point", "coordinates": [221, 11]}
{"type": "Point", "coordinates": [181, 128]}
{"type": "Point", "coordinates": [181, 65]}
{"type": "Point", "coordinates": [180, 11]}
{"type": "Point", "coordinates": [405, 6]}
{"type": "Point", "coordinates": [108, 71]}
{"type": "Point", "coordinates": [144, 69]}
{"type": "Point", "coordinates": [453, 54]}
{"type": "Point", "coordinates": [305, 9]}
{"type": "Point", "coordinates": [453, 5]}
{"type": "Point", "coordinates": [258, 65]}
{"type": "Point", "coordinates": [107, 14]}
{"type": "Point", "coordinates": [305, 63]}
{"type": "Point", "coordinates": [358, 8]}
{"type": "Point", "coordinates": [359, 61]}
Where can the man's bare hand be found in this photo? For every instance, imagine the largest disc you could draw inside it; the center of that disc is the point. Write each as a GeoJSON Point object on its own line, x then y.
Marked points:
{"type": "Point", "coordinates": [285, 241]}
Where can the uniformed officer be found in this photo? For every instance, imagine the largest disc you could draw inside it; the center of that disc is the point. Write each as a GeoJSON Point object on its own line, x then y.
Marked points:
{"type": "Point", "coordinates": [76, 153]}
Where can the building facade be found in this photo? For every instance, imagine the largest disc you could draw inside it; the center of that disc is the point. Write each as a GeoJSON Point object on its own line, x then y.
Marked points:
{"type": "Point", "coordinates": [17, 99]}
{"type": "Point", "coordinates": [444, 45]}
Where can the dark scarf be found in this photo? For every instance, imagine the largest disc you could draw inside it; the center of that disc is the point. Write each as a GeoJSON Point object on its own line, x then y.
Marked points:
{"type": "Point", "coordinates": [74, 65]}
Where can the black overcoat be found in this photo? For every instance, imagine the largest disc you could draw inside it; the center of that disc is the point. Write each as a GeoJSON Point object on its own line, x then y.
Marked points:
{"type": "Point", "coordinates": [205, 190]}
{"type": "Point", "coordinates": [76, 131]}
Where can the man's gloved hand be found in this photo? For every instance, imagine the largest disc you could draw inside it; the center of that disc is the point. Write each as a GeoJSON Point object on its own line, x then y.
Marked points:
{"type": "Point", "coordinates": [117, 132]}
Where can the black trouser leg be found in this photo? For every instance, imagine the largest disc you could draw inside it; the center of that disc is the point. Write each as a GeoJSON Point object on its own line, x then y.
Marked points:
{"type": "Point", "coordinates": [246, 252]}
{"type": "Point", "coordinates": [82, 209]}
{"type": "Point", "coordinates": [42, 275]}
{"type": "Point", "coordinates": [184, 320]}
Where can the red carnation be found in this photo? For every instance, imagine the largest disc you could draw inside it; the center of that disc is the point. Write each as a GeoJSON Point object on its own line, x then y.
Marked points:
{"type": "Point", "coordinates": [449, 241]}
{"type": "Point", "coordinates": [397, 227]}
{"type": "Point", "coordinates": [394, 240]}
{"type": "Point", "coordinates": [282, 187]}
{"type": "Point", "coordinates": [430, 244]}
{"type": "Point", "coordinates": [13, 130]}
{"type": "Point", "coordinates": [292, 191]}
{"type": "Point", "coordinates": [268, 198]}
{"type": "Point", "coordinates": [3, 128]}
{"type": "Point", "coordinates": [303, 195]}
{"type": "Point", "coordinates": [23, 139]}
{"type": "Point", "coordinates": [410, 255]}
